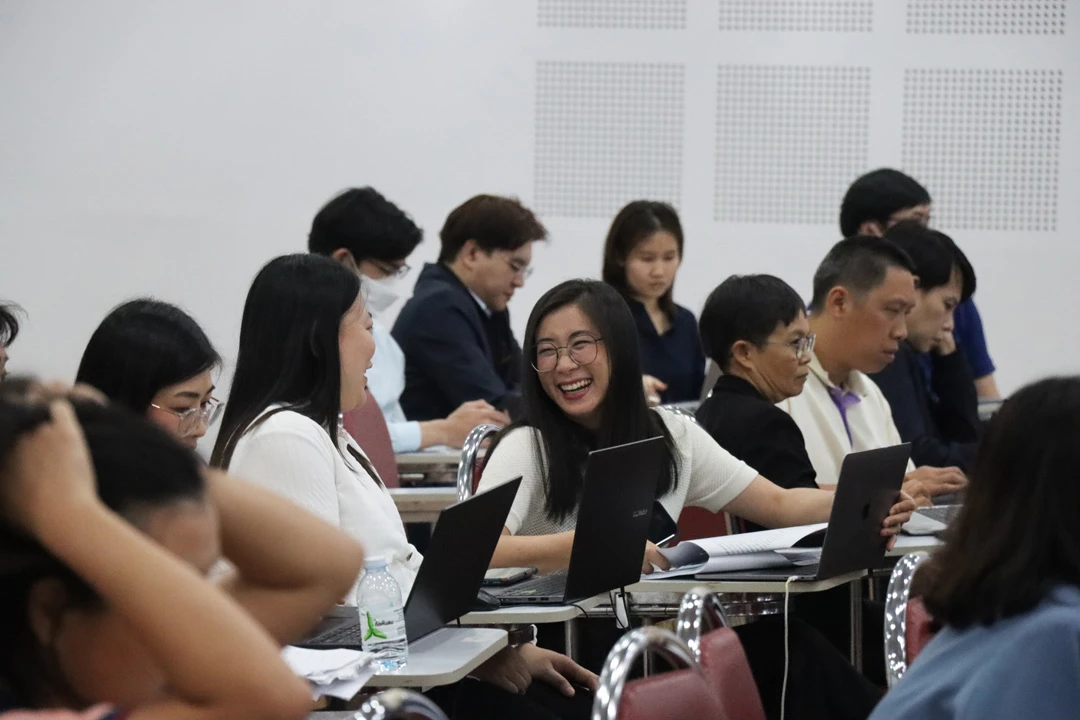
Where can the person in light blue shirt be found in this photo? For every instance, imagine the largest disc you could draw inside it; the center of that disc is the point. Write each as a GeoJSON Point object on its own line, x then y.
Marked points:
{"type": "Point", "coordinates": [370, 235]}
{"type": "Point", "coordinates": [1005, 589]}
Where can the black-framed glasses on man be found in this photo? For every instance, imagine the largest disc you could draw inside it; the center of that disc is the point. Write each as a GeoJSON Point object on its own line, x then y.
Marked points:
{"type": "Point", "coordinates": [581, 350]}
{"type": "Point", "coordinates": [189, 419]}
{"type": "Point", "coordinates": [800, 346]}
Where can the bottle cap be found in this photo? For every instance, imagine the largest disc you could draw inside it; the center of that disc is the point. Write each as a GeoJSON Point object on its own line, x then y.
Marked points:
{"type": "Point", "coordinates": [375, 562]}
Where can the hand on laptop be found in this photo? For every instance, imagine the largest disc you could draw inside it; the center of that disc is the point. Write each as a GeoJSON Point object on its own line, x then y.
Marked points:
{"type": "Point", "coordinates": [899, 514]}
{"type": "Point", "coordinates": [653, 559]}
{"type": "Point", "coordinates": [460, 423]}
{"type": "Point", "coordinates": [939, 481]}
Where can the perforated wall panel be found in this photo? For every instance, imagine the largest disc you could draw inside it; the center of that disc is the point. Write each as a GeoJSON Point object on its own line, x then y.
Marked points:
{"type": "Point", "coordinates": [607, 133]}
{"type": "Point", "coordinates": [789, 140]}
{"type": "Point", "coordinates": [797, 15]}
{"type": "Point", "coordinates": [613, 14]}
{"type": "Point", "coordinates": [987, 17]}
{"type": "Point", "coordinates": [985, 143]}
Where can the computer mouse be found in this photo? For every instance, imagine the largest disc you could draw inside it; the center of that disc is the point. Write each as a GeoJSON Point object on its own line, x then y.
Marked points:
{"type": "Point", "coordinates": [485, 601]}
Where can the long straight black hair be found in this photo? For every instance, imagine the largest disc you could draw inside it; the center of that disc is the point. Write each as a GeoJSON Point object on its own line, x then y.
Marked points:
{"type": "Point", "coordinates": [625, 416]}
{"type": "Point", "coordinates": [289, 352]}
{"type": "Point", "coordinates": [1018, 534]}
{"type": "Point", "coordinates": [141, 347]}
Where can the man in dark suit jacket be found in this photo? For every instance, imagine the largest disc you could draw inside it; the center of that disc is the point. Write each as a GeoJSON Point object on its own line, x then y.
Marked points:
{"type": "Point", "coordinates": [754, 328]}
{"type": "Point", "coordinates": [455, 329]}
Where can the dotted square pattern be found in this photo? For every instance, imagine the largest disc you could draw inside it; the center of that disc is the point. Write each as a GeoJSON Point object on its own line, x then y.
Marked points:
{"type": "Point", "coordinates": [613, 14]}
{"type": "Point", "coordinates": [606, 134]}
{"type": "Point", "coordinates": [797, 15]}
{"type": "Point", "coordinates": [789, 139]}
{"type": "Point", "coordinates": [985, 143]}
{"type": "Point", "coordinates": [986, 17]}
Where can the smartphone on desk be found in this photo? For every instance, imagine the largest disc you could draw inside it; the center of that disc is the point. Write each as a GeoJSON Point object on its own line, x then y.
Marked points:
{"type": "Point", "coordinates": [497, 577]}
{"type": "Point", "coordinates": [662, 527]}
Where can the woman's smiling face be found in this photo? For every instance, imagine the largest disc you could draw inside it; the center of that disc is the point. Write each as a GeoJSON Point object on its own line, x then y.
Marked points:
{"type": "Point", "coordinates": [577, 389]}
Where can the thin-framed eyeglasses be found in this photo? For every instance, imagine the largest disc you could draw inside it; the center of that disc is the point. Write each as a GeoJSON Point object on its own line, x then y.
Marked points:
{"type": "Point", "coordinates": [801, 347]}
{"type": "Point", "coordinates": [520, 268]}
{"type": "Point", "coordinates": [189, 419]}
{"type": "Point", "coordinates": [395, 272]}
{"type": "Point", "coordinates": [581, 350]}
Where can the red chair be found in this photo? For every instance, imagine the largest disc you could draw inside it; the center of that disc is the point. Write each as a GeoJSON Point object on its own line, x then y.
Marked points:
{"type": "Point", "coordinates": [682, 694]}
{"type": "Point", "coordinates": [367, 426]}
{"type": "Point", "coordinates": [908, 626]}
{"type": "Point", "coordinates": [720, 653]}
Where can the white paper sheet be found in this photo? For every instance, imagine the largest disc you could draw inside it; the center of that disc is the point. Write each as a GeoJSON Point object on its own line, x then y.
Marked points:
{"type": "Point", "coordinates": [336, 673]}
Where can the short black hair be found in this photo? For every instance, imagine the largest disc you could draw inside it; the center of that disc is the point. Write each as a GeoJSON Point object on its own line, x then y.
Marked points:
{"type": "Point", "coordinates": [367, 225]}
{"type": "Point", "coordinates": [9, 323]}
{"type": "Point", "coordinates": [494, 222]}
{"type": "Point", "coordinates": [746, 307]}
{"type": "Point", "coordinates": [858, 263]}
{"type": "Point", "coordinates": [876, 196]}
{"type": "Point", "coordinates": [995, 564]}
{"type": "Point", "coordinates": [934, 254]}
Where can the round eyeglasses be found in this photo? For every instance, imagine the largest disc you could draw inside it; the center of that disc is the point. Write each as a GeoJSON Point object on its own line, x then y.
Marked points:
{"type": "Point", "coordinates": [189, 419]}
{"type": "Point", "coordinates": [802, 346]}
{"type": "Point", "coordinates": [581, 350]}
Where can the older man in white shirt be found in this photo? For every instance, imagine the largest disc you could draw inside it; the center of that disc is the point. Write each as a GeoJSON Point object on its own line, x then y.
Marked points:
{"type": "Point", "coordinates": [863, 292]}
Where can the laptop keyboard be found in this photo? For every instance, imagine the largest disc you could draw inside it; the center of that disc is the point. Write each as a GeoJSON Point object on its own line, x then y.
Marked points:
{"type": "Point", "coordinates": [550, 584]}
{"type": "Point", "coordinates": [351, 634]}
{"type": "Point", "coordinates": [941, 513]}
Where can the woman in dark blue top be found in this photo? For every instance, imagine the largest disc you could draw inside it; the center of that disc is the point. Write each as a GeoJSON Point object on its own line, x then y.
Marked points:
{"type": "Point", "coordinates": [642, 253]}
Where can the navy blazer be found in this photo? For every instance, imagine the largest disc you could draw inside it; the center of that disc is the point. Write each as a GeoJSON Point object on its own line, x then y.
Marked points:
{"type": "Point", "coordinates": [453, 351]}
{"type": "Point", "coordinates": [675, 357]}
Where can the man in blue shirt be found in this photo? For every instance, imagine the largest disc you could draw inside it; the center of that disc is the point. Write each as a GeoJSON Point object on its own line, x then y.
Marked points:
{"type": "Point", "coordinates": [878, 200]}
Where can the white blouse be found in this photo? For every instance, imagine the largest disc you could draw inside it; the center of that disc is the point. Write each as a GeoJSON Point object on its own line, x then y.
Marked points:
{"type": "Point", "coordinates": [290, 454]}
{"type": "Point", "coordinates": [708, 476]}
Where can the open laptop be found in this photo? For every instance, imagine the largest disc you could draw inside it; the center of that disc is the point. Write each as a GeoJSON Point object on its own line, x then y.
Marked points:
{"type": "Point", "coordinates": [449, 578]}
{"type": "Point", "coordinates": [865, 491]}
{"type": "Point", "coordinates": [612, 526]}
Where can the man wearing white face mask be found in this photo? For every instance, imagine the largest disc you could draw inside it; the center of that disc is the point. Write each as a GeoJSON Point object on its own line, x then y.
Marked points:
{"type": "Point", "coordinates": [370, 235]}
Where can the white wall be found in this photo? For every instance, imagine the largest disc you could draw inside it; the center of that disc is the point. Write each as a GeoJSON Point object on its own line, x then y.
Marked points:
{"type": "Point", "coordinates": [172, 148]}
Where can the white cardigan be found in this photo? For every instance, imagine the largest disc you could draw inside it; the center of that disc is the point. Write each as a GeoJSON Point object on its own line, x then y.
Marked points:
{"type": "Point", "coordinates": [290, 454]}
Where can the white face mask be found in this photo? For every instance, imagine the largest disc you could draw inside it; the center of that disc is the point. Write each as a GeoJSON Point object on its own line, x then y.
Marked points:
{"type": "Point", "coordinates": [380, 294]}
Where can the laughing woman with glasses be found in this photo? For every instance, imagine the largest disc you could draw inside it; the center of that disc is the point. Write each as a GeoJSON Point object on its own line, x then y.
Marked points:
{"type": "Point", "coordinates": [153, 358]}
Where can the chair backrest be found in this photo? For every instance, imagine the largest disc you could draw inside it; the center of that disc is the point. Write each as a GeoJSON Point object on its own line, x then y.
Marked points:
{"type": "Point", "coordinates": [468, 472]}
{"type": "Point", "coordinates": [702, 623]}
{"type": "Point", "coordinates": [676, 695]}
{"type": "Point", "coordinates": [897, 601]}
{"type": "Point", "coordinates": [399, 703]}
{"type": "Point", "coordinates": [920, 627]}
{"type": "Point", "coordinates": [368, 427]}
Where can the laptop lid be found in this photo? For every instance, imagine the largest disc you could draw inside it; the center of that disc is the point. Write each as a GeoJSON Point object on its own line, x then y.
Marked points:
{"type": "Point", "coordinates": [614, 517]}
{"type": "Point", "coordinates": [866, 489]}
{"type": "Point", "coordinates": [458, 555]}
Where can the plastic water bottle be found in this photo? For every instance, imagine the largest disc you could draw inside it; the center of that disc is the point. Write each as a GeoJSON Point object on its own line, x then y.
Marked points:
{"type": "Point", "coordinates": [382, 615]}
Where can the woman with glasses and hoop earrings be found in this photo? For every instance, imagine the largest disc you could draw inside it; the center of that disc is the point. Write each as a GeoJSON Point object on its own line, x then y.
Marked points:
{"type": "Point", "coordinates": [153, 358]}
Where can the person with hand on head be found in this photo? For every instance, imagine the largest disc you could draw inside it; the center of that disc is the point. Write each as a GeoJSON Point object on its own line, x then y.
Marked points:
{"type": "Point", "coordinates": [154, 359]}
{"type": "Point", "coordinates": [455, 329]}
{"type": "Point", "coordinates": [371, 236]}
{"type": "Point", "coordinates": [939, 415]}
{"type": "Point", "coordinates": [754, 328]}
{"type": "Point", "coordinates": [642, 253]}
{"type": "Point", "coordinates": [1005, 588]}
{"type": "Point", "coordinates": [864, 290]}
{"type": "Point", "coordinates": [878, 200]}
{"type": "Point", "coordinates": [108, 527]}
{"type": "Point", "coordinates": [305, 346]}
{"type": "Point", "coordinates": [9, 330]}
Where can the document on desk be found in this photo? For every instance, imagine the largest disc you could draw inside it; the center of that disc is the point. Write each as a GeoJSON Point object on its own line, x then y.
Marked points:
{"type": "Point", "coordinates": [745, 551]}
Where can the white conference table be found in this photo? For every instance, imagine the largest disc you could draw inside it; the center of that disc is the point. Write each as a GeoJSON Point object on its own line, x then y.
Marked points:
{"type": "Point", "coordinates": [444, 657]}
{"type": "Point", "coordinates": [423, 504]}
{"type": "Point", "coordinates": [914, 543]}
{"type": "Point", "coordinates": [568, 615]}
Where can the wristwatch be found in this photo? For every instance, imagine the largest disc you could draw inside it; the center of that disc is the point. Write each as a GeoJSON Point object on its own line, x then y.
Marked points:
{"type": "Point", "coordinates": [521, 635]}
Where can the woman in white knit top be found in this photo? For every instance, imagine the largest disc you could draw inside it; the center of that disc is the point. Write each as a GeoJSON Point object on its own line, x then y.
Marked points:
{"type": "Point", "coordinates": [585, 393]}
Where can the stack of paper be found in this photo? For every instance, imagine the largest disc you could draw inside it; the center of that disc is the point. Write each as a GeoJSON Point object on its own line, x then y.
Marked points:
{"type": "Point", "coordinates": [745, 551]}
{"type": "Point", "coordinates": [336, 673]}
